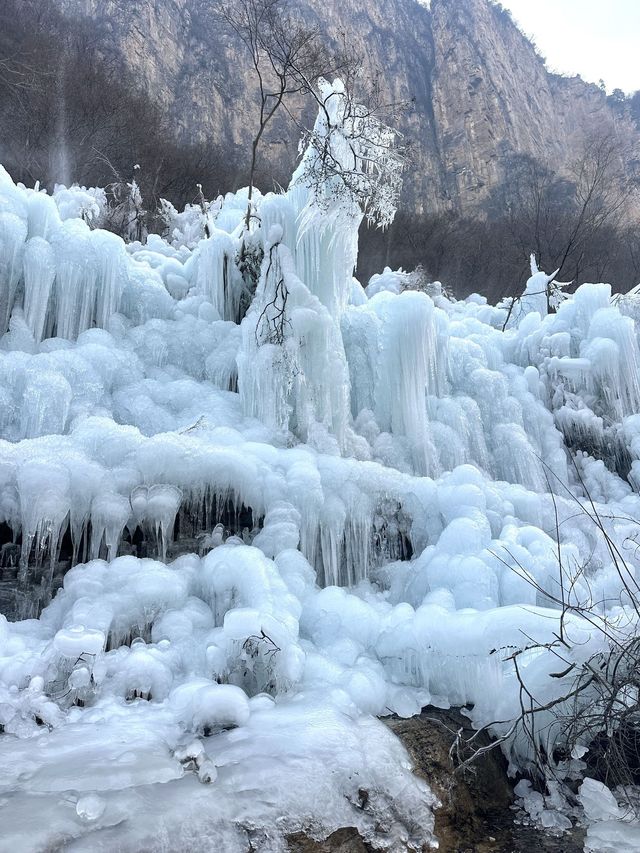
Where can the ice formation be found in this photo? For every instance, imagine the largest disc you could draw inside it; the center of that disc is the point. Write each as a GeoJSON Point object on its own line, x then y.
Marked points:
{"type": "Point", "coordinates": [238, 526]}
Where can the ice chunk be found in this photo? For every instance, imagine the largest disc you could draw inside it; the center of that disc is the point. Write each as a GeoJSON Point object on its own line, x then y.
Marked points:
{"type": "Point", "coordinates": [598, 802]}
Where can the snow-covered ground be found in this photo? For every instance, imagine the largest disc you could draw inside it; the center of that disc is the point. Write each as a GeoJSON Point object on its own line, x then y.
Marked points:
{"type": "Point", "coordinates": [349, 504]}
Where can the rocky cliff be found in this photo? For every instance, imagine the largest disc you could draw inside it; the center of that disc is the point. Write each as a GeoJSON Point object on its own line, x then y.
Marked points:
{"type": "Point", "coordinates": [479, 90]}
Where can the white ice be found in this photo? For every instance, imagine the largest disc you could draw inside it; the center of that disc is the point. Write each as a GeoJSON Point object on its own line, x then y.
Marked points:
{"type": "Point", "coordinates": [245, 531]}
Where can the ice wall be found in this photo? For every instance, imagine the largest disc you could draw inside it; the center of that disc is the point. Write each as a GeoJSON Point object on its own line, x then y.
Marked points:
{"type": "Point", "coordinates": [349, 502]}
{"type": "Point", "coordinates": [146, 337]}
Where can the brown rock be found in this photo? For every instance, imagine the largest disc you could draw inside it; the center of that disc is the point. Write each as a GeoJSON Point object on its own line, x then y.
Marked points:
{"type": "Point", "coordinates": [472, 803]}
{"type": "Point", "coordinates": [476, 814]}
{"type": "Point", "coordinates": [342, 841]}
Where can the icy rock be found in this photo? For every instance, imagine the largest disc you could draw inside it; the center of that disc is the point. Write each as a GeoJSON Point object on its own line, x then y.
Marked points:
{"type": "Point", "coordinates": [143, 673]}
{"type": "Point", "coordinates": [276, 233]}
{"type": "Point", "coordinates": [13, 233]}
{"type": "Point", "coordinates": [79, 678]}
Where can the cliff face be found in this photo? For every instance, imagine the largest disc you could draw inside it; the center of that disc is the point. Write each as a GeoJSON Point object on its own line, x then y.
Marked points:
{"type": "Point", "coordinates": [479, 90]}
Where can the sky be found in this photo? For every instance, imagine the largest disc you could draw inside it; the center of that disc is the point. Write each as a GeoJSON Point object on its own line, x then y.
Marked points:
{"type": "Point", "coordinates": [598, 39]}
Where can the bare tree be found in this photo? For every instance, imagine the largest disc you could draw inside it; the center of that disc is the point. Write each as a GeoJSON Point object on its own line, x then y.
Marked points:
{"type": "Point", "coordinates": [287, 56]}
{"type": "Point", "coordinates": [602, 193]}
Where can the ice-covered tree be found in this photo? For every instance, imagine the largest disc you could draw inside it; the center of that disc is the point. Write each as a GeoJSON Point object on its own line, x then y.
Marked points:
{"type": "Point", "coordinates": [353, 158]}
{"type": "Point", "coordinates": [293, 341]}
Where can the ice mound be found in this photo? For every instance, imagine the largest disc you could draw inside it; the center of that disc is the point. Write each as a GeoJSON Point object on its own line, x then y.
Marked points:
{"type": "Point", "coordinates": [247, 506]}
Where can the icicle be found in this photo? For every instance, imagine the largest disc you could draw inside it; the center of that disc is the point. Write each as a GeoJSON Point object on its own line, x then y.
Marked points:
{"type": "Point", "coordinates": [46, 403]}
{"type": "Point", "coordinates": [407, 364]}
{"type": "Point", "coordinates": [13, 233]}
{"type": "Point", "coordinates": [111, 259]}
{"type": "Point", "coordinates": [218, 277]}
{"type": "Point", "coordinates": [75, 279]}
{"type": "Point", "coordinates": [292, 370]}
{"type": "Point", "coordinates": [39, 275]}
{"type": "Point", "coordinates": [45, 501]}
{"type": "Point", "coordinates": [110, 513]}
{"type": "Point", "coordinates": [163, 502]}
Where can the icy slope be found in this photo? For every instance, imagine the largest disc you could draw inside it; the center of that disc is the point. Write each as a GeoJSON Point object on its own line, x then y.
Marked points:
{"type": "Point", "coordinates": [276, 515]}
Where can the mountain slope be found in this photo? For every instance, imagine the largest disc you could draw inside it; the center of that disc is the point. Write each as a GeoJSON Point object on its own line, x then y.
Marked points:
{"type": "Point", "coordinates": [479, 90]}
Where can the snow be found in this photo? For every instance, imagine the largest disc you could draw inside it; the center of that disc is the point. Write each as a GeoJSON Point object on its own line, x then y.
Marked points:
{"type": "Point", "coordinates": [238, 527]}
